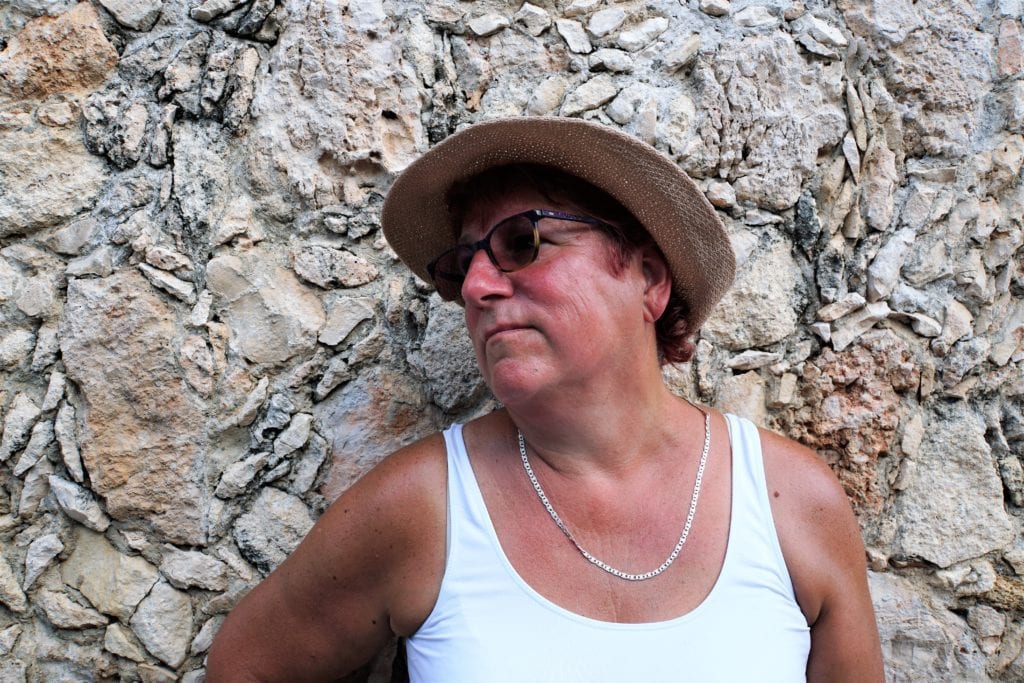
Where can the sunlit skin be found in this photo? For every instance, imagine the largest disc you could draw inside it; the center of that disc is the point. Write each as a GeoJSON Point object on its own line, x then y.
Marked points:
{"type": "Point", "coordinates": [568, 345]}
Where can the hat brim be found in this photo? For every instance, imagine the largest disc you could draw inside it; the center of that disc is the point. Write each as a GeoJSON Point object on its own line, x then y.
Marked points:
{"type": "Point", "coordinates": [417, 225]}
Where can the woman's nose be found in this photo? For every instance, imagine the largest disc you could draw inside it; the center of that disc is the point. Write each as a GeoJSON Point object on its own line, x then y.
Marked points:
{"type": "Point", "coordinates": [484, 280]}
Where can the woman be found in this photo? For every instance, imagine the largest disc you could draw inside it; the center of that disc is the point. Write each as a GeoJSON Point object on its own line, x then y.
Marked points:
{"type": "Point", "coordinates": [596, 527]}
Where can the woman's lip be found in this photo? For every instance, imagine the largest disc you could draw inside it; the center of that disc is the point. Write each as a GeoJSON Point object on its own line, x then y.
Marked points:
{"type": "Point", "coordinates": [491, 334]}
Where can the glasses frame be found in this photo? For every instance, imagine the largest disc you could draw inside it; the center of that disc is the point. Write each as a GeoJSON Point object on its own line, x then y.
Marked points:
{"type": "Point", "coordinates": [533, 215]}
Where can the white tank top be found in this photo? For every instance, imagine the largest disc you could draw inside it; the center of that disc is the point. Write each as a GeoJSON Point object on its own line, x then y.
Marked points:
{"type": "Point", "coordinates": [489, 625]}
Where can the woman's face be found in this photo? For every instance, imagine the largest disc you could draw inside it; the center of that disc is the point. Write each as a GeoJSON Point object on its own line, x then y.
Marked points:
{"type": "Point", "coordinates": [560, 321]}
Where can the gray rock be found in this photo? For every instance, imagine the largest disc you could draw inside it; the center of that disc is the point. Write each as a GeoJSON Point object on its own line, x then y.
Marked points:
{"type": "Point", "coordinates": [40, 554]}
{"type": "Point", "coordinates": [187, 568]}
{"type": "Point", "coordinates": [849, 328]}
{"type": "Point", "coordinates": [42, 437]}
{"type": "Point", "coordinates": [756, 16]}
{"type": "Point", "coordinates": [169, 283]}
{"type": "Point", "coordinates": [446, 360]}
{"type": "Point", "coordinates": [643, 35]}
{"type": "Point", "coordinates": [9, 637]}
{"type": "Point", "coordinates": [752, 360]}
{"type": "Point", "coordinates": [683, 53]}
{"type": "Point", "coordinates": [715, 8]}
{"type": "Point", "coordinates": [16, 348]}
{"type": "Point", "coordinates": [954, 457]}
{"type": "Point", "coordinates": [64, 431]}
{"type": "Point", "coordinates": [35, 488]}
{"type": "Point", "coordinates": [821, 31]}
{"type": "Point", "coordinates": [204, 639]}
{"type": "Point", "coordinates": [294, 436]}
{"type": "Point", "coordinates": [139, 16]}
{"type": "Point", "coordinates": [99, 263]}
{"type": "Point", "coordinates": [883, 273]}
{"type": "Point", "coordinates": [163, 623]}
{"type": "Point", "coordinates": [574, 36]}
{"type": "Point", "coordinates": [308, 465]}
{"type": "Point", "coordinates": [534, 20]}
{"type": "Point", "coordinates": [238, 475]}
{"type": "Point", "coordinates": [604, 21]}
{"type": "Point", "coordinates": [607, 59]}
{"type": "Point", "coordinates": [749, 316]}
{"type": "Point", "coordinates": [488, 24]}
{"type": "Point", "coordinates": [123, 643]}
{"type": "Point", "coordinates": [79, 504]}
{"type": "Point", "coordinates": [63, 612]}
{"type": "Point", "coordinates": [18, 423]}
{"type": "Point", "coordinates": [271, 529]}
{"type": "Point", "coordinates": [920, 641]}
{"type": "Point", "coordinates": [11, 594]}
{"type": "Point", "coordinates": [344, 316]}
{"type": "Point", "coordinates": [54, 391]}
{"type": "Point", "coordinates": [849, 303]}
{"type": "Point", "coordinates": [595, 92]}
{"type": "Point", "coordinates": [112, 582]}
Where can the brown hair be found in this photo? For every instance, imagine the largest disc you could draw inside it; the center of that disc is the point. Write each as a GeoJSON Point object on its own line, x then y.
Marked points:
{"type": "Point", "coordinates": [626, 233]}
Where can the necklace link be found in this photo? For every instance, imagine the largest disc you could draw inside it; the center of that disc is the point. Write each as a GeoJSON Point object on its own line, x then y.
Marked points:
{"type": "Point", "coordinates": [595, 561]}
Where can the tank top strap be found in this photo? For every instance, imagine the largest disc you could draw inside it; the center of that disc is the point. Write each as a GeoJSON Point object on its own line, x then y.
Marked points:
{"type": "Point", "coordinates": [752, 530]}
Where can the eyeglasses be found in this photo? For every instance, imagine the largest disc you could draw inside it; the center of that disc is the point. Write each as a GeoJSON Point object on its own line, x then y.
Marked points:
{"type": "Point", "coordinates": [511, 245]}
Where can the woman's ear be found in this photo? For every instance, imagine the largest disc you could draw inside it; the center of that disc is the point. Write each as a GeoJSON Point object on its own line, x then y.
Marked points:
{"type": "Point", "coordinates": [658, 282]}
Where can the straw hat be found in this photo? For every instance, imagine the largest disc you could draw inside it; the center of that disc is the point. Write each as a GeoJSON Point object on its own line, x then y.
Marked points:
{"type": "Point", "coordinates": [656, 191]}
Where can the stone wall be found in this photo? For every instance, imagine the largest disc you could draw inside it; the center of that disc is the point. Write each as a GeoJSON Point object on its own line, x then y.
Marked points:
{"type": "Point", "coordinates": [205, 338]}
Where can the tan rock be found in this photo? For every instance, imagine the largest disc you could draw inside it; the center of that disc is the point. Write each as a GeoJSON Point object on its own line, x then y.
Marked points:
{"type": "Point", "coordinates": [272, 316]}
{"type": "Point", "coordinates": [46, 176]}
{"type": "Point", "coordinates": [163, 623]}
{"type": "Point", "coordinates": [1010, 57]}
{"type": "Point", "coordinates": [66, 53]}
{"type": "Point", "coordinates": [743, 395]}
{"type": "Point", "coordinates": [112, 582]}
{"type": "Point", "coordinates": [63, 612]}
{"type": "Point", "coordinates": [137, 407]}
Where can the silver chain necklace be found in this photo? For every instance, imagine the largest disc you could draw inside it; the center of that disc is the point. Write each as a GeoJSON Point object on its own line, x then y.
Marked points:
{"type": "Point", "coordinates": [603, 565]}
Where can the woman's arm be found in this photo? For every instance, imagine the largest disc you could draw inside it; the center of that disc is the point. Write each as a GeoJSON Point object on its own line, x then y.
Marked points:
{"type": "Point", "coordinates": [370, 567]}
{"type": "Point", "coordinates": [822, 546]}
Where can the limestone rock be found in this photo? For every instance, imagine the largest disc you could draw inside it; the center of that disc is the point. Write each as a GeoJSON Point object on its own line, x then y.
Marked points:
{"type": "Point", "coordinates": [592, 94]}
{"type": "Point", "coordinates": [604, 21]}
{"type": "Point", "coordinates": [607, 59]}
{"type": "Point", "coordinates": [271, 315]}
{"type": "Point", "coordinates": [122, 643]}
{"type": "Point", "coordinates": [848, 328]}
{"type": "Point", "coordinates": [574, 36]}
{"type": "Point", "coordinates": [644, 34]}
{"type": "Point", "coordinates": [204, 639]}
{"type": "Point", "coordinates": [79, 504]}
{"type": "Point", "coordinates": [294, 436]}
{"type": "Point", "coordinates": [112, 582]}
{"type": "Point", "coordinates": [11, 594]}
{"type": "Point", "coordinates": [750, 316]}
{"type": "Point", "coordinates": [131, 433]}
{"type": "Point", "coordinates": [743, 395]}
{"type": "Point", "coordinates": [63, 612]}
{"type": "Point", "coordinates": [487, 24]}
{"type": "Point", "coordinates": [919, 641]}
{"type": "Point", "coordinates": [163, 622]}
{"type": "Point", "coordinates": [683, 53]}
{"type": "Point", "coordinates": [18, 423]}
{"type": "Point", "coordinates": [268, 532]}
{"type": "Point", "coordinates": [756, 16]}
{"type": "Point", "coordinates": [1011, 48]}
{"type": "Point", "coordinates": [534, 20]}
{"type": "Point", "coordinates": [238, 475]}
{"type": "Point", "coordinates": [58, 54]}
{"type": "Point", "coordinates": [64, 431]}
{"type": "Point", "coordinates": [41, 438]}
{"type": "Point", "coordinates": [344, 316]}
{"type": "Point", "coordinates": [187, 568]}
{"type": "Point", "coordinates": [40, 554]}
{"type": "Point", "coordinates": [715, 8]}
{"type": "Point", "coordinates": [953, 457]}
{"type": "Point", "coordinates": [307, 466]}
{"type": "Point", "coordinates": [136, 15]}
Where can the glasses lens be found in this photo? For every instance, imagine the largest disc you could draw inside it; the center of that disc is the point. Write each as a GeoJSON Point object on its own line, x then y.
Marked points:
{"type": "Point", "coordinates": [514, 243]}
{"type": "Point", "coordinates": [448, 275]}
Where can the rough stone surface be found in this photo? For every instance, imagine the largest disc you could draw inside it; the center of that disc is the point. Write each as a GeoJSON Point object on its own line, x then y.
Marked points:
{"type": "Point", "coordinates": [198, 311]}
{"type": "Point", "coordinates": [139, 442]}
{"type": "Point", "coordinates": [954, 457]}
{"type": "Point", "coordinates": [112, 582]}
{"type": "Point", "coordinates": [272, 528]}
{"type": "Point", "coordinates": [163, 623]}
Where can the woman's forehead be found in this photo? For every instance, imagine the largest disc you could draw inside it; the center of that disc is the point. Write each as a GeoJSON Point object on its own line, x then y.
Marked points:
{"type": "Point", "coordinates": [482, 215]}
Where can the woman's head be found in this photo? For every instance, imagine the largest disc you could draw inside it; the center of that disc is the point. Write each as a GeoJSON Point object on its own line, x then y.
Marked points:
{"type": "Point", "coordinates": [624, 234]}
{"type": "Point", "coordinates": [650, 188]}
